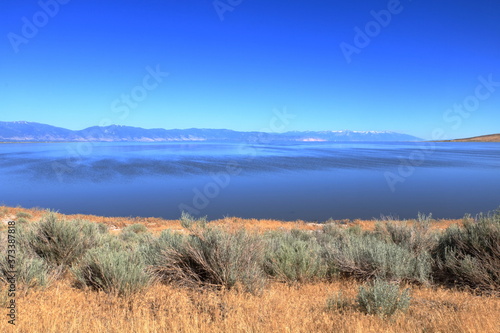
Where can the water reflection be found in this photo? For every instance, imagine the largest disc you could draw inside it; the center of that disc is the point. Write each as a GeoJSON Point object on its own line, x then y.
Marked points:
{"type": "Point", "coordinates": [288, 181]}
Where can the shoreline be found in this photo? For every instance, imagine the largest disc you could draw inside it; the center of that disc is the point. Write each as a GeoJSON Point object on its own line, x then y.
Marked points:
{"type": "Point", "coordinates": [157, 224]}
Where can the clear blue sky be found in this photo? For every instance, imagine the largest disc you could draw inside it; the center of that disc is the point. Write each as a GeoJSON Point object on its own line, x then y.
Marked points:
{"type": "Point", "coordinates": [263, 55]}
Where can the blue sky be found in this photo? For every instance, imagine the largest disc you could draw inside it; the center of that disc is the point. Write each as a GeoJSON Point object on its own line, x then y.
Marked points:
{"type": "Point", "coordinates": [411, 73]}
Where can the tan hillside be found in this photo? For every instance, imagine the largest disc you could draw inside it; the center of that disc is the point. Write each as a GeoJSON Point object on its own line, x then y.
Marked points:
{"type": "Point", "coordinates": [483, 138]}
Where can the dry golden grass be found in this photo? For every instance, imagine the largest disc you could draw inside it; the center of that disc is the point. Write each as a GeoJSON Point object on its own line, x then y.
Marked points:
{"type": "Point", "coordinates": [280, 308]}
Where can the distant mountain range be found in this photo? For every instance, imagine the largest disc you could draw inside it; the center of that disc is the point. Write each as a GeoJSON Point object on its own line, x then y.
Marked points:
{"type": "Point", "coordinates": [23, 131]}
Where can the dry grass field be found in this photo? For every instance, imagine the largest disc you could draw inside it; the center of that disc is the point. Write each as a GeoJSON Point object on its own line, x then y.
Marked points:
{"type": "Point", "coordinates": [279, 307]}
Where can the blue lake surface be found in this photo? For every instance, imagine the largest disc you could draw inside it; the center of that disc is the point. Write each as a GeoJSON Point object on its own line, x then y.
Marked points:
{"type": "Point", "coordinates": [310, 181]}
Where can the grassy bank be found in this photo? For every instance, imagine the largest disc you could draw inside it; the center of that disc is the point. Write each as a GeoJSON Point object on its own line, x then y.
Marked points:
{"type": "Point", "coordinates": [94, 274]}
{"type": "Point", "coordinates": [156, 225]}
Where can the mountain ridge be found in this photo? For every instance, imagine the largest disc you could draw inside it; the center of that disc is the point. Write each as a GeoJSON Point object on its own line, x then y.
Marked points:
{"type": "Point", "coordinates": [24, 131]}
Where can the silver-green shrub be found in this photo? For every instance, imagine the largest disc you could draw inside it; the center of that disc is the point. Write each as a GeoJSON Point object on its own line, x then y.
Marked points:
{"type": "Point", "coordinates": [61, 242]}
{"type": "Point", "coordinates": [469, 256]}
{"type": "Point", "coordinates": [30, 270]}
{"type": "Point", "coordinates": [366, 257]}
{"type": "Point", "coordinates": [383, 298]}
{"type": "Point", "coordinates": [293, 256]}
{"type": "Point", "coordinates": [121, 272]}
{"type": "Point", "coordinates": [214, 257]}
{"type": "Point", "coordinates": [416, 237]}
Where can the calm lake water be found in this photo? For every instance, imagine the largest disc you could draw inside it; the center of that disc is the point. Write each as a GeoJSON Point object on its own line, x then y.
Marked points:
{"type": "Point", "coordinates": [310, 181]}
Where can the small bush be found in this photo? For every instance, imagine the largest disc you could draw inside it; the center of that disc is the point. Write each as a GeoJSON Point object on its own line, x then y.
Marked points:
{"type": "Point", "coordinates": [366, 257]}
{"type": "Point", "coordinates": [294, 257]}
{"type": "Point", "coordinates": [383, 298]}
{"type": "Point", "coordinates": [334, 230]}
{"type": "Point", "coordinates": [152, 248]}
{"type": "Point", "coordinates": [171, 239]}
{"type": "Point", "coordinates": [102, 228]}
{"type": "Point", "coordinates": [31, 270]}
{"type": "Point", "coordinates": [339, 303]}
{"type": "Point", "coordinates": [355, 230]}
{"type": "Point", "coordinates": [22, 221]}
{"type": "Point", "coordinates": [211, 256]}
{"type": "Point", "coordinates": [339, 232]}
{"type": "Point", "coordinates": [136, 228]}
{"type": "Point", "coordinates": [469, 256]}
{"type": "Point", "coordinates": [133, 238]}
{"type": "Point", "coordinates": [189, 222]}
{"type": "Point", "coordinates": [418, 237]}
{"type": "Point", "coordinates": [119, 272]}
{"type": "Point", "coordinates": [23, 215]}
{"type": "Point", "coordinates": [62, 242]}
{"type": "Point", "coordinates": [328, 239]}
